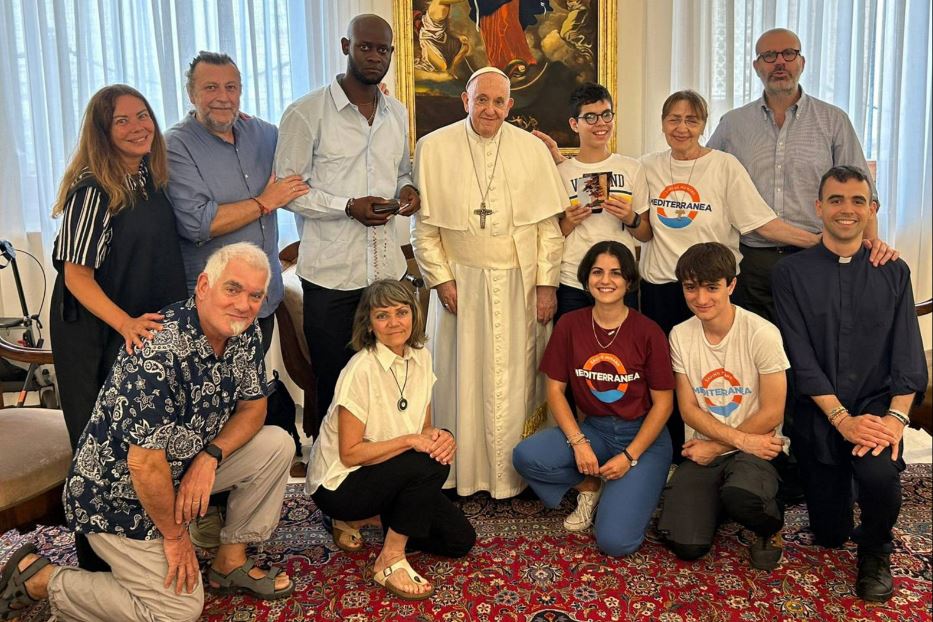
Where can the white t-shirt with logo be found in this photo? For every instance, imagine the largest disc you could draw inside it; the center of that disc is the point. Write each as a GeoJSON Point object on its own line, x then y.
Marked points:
{"type": "Point", "coordinates": [710, 199]}
{"type": "Point", "coordinates": [725, 376]}
{"type": "Point", "coordinates": [627, 182]}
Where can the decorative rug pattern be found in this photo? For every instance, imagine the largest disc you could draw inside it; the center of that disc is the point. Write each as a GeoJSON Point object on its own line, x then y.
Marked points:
{"type": "Point", "coordinates": [526, 568]}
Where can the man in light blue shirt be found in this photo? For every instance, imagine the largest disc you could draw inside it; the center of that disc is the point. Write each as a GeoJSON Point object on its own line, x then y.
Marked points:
{"type": "Point", "coordinates": [220, 184]}
{"type": "Point", "coordinates": [786, 140]}
{"type": "Point", "coordinates": [350, 142]}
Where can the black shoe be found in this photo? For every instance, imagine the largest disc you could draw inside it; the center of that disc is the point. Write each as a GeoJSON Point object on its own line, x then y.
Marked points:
{"type": "Point", "coordinates": [874, 582]}
{"type": "Point", "coordinates": [766, 552]}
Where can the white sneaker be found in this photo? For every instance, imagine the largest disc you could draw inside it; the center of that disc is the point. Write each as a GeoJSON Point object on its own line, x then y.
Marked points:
{"type": "Point", "coordinates": [582, 517]}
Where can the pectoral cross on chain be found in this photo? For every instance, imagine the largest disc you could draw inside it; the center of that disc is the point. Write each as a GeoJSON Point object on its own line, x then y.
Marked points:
{"type": "Point", "coordinates": [482, 212]}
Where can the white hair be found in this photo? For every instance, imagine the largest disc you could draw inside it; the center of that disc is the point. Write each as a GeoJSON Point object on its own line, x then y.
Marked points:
{"type": "Point", "coordinates": [247, 252]}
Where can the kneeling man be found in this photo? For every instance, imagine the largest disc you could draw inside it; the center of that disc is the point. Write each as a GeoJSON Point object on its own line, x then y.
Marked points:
{"type": "Point", "coordinates": [176, 420]}
{"type": "Point", "coordinates": [852, 335]}
{"type": "Point", "coordinates": [730, 369]}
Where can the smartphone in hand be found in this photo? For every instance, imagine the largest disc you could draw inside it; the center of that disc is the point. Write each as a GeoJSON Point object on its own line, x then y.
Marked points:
{"type": "Point", "coordinates": [387, 206]}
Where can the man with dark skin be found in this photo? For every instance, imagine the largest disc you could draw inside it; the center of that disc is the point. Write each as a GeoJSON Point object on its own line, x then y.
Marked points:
{"type": "Point", "coordinates": [349, 141]}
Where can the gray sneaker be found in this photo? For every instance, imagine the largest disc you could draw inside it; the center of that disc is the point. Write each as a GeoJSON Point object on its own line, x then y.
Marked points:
{"type": "Point", "coordinates": [205, 530]}
{"type": "Point", "coordinates": [766, 552]}
{"type": "Point", "coordinates": [582, 517]}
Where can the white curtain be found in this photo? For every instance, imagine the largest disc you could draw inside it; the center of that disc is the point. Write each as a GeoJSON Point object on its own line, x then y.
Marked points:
{"type": "Point", "coordinates": [871, 58]}
{"type": "Point", "coordinates": [54, 54]}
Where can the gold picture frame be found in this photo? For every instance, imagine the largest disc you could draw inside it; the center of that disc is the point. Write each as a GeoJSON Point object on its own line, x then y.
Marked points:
{"type": "Point", "coordinates": [562, 43]}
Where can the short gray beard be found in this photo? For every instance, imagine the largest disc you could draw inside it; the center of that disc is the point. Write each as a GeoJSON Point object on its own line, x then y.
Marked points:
{"type": "Point", "coordinates": [237, 328]}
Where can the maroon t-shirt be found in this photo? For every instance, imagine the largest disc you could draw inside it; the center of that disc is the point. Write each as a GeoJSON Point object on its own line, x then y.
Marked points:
{"type": "Point", "coordinates": [614, 380]}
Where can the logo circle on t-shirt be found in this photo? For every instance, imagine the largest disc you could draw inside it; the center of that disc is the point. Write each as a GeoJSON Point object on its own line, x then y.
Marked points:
{"type": "Point", "coordinates": [679, 217]}
{"type": "Point", "coordinates": [614, 394]}
{"type": "Point", "coordinates": [729, 396]}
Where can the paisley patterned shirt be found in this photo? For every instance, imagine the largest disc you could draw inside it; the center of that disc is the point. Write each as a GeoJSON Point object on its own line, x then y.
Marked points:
{"type": "Point", "coordinates": [173, 394]}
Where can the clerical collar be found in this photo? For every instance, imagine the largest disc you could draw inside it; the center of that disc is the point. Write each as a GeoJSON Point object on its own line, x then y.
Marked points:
{"type": "Point", "coordinates": [482, 139]}
{"type": "Point", "coordinates": [843, 260]}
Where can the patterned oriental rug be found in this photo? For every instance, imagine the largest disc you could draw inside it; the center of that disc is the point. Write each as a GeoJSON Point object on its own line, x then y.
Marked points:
{"type": "Point", "coordinates": [526, 568]}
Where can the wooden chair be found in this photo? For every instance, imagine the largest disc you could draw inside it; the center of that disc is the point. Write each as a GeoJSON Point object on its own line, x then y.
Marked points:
{"type": "Point", "coordinates": [35, 454]}
{"type": "Point", "coordinates": [921, 417]}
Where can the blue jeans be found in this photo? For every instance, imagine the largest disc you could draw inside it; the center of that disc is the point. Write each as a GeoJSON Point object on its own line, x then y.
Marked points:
{"type": "Point", "coordinates": [547, 463]}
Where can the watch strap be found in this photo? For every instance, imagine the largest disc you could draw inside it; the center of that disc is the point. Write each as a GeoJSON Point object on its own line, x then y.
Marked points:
{"type": "Point", "coordinates": [215, 452]}
{"type": "Point", "coordinates": [631, 460]}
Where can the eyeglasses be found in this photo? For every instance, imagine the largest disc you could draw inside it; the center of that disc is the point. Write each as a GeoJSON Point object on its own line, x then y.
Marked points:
{"type": "Point", "coordinates": [592, 117]}
{"type": "Point", "coordinates": [788, 55]}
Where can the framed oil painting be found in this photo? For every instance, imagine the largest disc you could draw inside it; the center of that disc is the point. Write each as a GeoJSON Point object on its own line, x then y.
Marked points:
{"type": "Point", "coordinates": [546, 47]}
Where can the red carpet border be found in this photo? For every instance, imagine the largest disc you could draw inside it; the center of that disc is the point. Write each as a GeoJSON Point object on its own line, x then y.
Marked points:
{"type": "Point", "coordinates": [526, 568]}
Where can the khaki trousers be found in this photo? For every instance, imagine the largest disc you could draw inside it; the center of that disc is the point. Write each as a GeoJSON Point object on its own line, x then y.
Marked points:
{"type": "Point", "coordinates": [255, 474]}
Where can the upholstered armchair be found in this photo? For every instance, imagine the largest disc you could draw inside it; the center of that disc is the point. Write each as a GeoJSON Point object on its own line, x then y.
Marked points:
{"type": "Point", "coordinates": [35, 454]}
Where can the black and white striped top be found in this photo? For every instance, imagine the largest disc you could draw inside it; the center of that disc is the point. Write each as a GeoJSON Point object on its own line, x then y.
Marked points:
{"type": "Point", "coordinates": [84, 238]}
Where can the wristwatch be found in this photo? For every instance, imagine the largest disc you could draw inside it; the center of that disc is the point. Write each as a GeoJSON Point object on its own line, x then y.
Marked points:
{"type": "Point", "coordinates": [635, 222]}
{"type": "Point", "coordinates": [631, 460]}
{"type": "Point", "coordinates": [214, 452]}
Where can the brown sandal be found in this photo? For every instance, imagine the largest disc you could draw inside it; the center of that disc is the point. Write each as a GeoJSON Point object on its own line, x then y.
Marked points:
{"type": "Point", "coordinates": [346, 538]}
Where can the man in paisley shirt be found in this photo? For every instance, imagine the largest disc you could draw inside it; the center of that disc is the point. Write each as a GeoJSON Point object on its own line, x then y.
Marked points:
{"type": "Point", "coordinates": [177, 419]}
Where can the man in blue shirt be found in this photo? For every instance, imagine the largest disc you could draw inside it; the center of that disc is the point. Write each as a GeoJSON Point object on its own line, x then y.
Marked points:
{"type": "Point", "coordinates": [220, 176]}
{"type": "Point", "coordinates": [785, 139]}
{"type": "Point", "coordinates": [177, 419]}
{"type": "Point", "coordinates": [855, 348]}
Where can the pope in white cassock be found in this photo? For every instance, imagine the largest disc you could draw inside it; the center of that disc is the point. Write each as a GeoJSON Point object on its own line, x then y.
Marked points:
{"type": "Point", "coordinates": [488, 244]}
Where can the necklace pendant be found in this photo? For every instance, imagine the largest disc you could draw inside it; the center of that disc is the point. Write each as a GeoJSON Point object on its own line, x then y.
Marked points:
{"type": "Point", "coordinates": [402, 403]}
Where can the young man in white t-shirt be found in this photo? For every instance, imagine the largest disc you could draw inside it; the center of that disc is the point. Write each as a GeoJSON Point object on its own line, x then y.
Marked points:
{"type": "Point", "coordinates": [730, 370]}
{"type": "Point", "coordinates": [618, 216]}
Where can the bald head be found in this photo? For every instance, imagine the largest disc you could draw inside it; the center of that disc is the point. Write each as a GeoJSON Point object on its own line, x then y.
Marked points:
{"type": "Point", "coordinates": [368, 48]}
{"type": "Point", "coordinates": [776, 32]}
{"type": "Point", "coordinates": [363, 22]}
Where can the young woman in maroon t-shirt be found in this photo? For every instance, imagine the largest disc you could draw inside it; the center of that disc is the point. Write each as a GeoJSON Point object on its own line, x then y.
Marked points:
{"type": "Point", "coordinates": [618, 366]}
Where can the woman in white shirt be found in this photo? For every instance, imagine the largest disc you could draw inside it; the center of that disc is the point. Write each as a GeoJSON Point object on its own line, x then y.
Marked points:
{"type": "Point", "coordinates": [378, 459]}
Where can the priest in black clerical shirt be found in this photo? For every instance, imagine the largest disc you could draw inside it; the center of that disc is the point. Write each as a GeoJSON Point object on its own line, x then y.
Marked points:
{"type": "Point", "coordinates": [854, 343]}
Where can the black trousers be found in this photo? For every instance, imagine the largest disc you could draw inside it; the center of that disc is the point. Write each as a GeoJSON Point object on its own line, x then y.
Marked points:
{"type": "Point", "coordinates": [753, 288]}
{"type": "Point", "coordinates": [328, 326]}
{"type": "Point", "coordinates": [405, 491]}
{"type": "Point", "coordinates": [739, 486]}
{"type": "Point", "coordinates": [832, 490]}
{"type": "Point", "coordinates": [665, 305]}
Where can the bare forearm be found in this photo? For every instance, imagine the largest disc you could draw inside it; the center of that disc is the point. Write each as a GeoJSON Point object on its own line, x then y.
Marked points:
{"type": "Point", "coordinates": [152, 481]}
{"type": "Point", "coordinates": [642, 232]}
{"type": "Point", "coordinates": [779, 231]}
{"type": "Point", "coordinates": [367, 453]}
{"type": "Point", "coordinates": [560, 410]}
{"type": "Point", "coordinates": [709, 427]}
{"type": "Point", "coordinates": [233, 216]}
{"type": "Point", "coordinates": [242, 426]}
{"type": "Point", "coordinates": [84, 287]}
{"type": "Point", "coordinates": [654, 422]}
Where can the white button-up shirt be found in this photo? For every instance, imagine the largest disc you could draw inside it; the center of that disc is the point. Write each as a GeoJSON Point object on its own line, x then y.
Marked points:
{"type": "Point", "coordinates": [324, 138]}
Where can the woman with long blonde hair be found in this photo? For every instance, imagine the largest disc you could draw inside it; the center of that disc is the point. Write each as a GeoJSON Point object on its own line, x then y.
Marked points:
{"type": "Point", "coordinates": [117, 252]}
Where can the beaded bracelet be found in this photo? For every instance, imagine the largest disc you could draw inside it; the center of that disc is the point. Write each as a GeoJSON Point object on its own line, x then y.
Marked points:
{"type": "Point", "coordinates": [835, 411]}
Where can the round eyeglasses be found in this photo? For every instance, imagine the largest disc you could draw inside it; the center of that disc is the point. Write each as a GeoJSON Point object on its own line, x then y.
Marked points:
{"type": "Point", "coordinates": [591, 117]}
{"type": "Point", "coordinates": [788, 55]}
